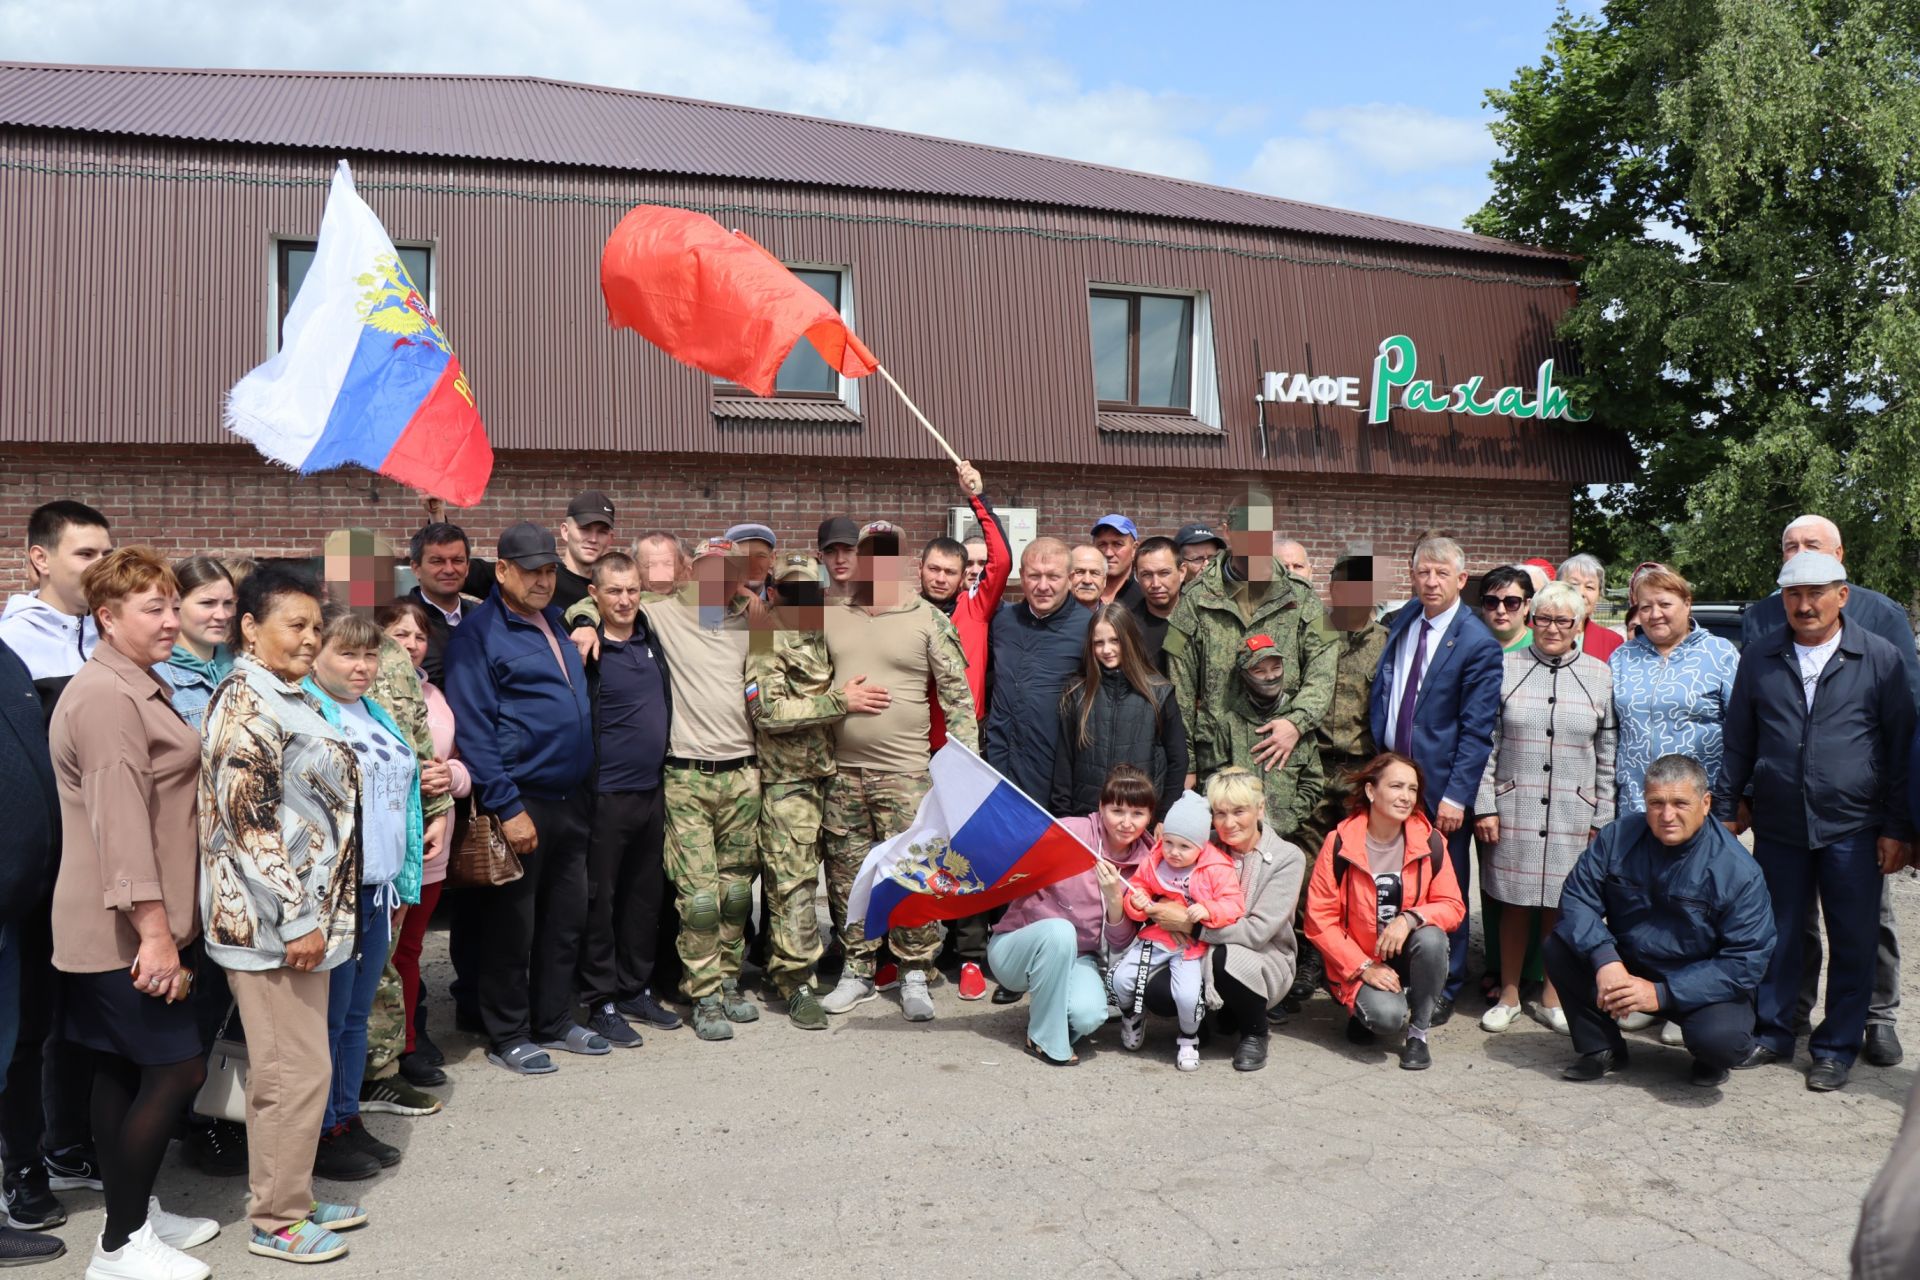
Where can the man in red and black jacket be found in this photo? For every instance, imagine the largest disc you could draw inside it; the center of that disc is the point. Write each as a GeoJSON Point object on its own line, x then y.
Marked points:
{"type": "Point", "coordinates": [943, 573]}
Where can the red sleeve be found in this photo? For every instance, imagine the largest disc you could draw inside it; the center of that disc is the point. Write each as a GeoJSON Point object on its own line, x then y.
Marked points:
{"type": "Point", "coordinates": [1325, 925]}
{"type": "Point", "coordinates": [1144, 883]}
{"type": "Point", "coordinates": [993, 579]}
{"type": "Point", "coordinates": [1226, 901]}
{"type": "Point", "coordinates": [1441, 905]}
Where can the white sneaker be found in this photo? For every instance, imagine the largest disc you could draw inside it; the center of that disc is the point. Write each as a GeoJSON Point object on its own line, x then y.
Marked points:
{"type": "Point", "coordinates": [1552, 1017]}
{"type": "Point", "coordinates": [915, 1000]}
{"type": "Point", "coordinates": [1133, 1032]}
{"type": "Point", "coordinates": [145, 1256]}
{"type": "Point", "coordinates": [848, 992]}
{"type": "Point", "coordinates": [179, 1232]}
{"type": "Point", "coordinates": [1499, 1018]}
{"type": "Point", "coordinates": [1671, 1034]}
{"type": "Point", "coordinates": [1636, 1021]}
{"type": "Point", "coordinates": [1187, 1057]}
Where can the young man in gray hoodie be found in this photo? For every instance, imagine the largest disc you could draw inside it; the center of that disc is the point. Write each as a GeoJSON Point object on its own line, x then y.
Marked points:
{"type": "Point", "coordinates": [49, 628]}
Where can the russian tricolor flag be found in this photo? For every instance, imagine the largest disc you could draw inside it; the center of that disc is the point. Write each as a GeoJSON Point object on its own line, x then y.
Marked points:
{"type": "Point", "coordinates": [364, 374]}
{"type": "Point", "coordinates": [977, 842]}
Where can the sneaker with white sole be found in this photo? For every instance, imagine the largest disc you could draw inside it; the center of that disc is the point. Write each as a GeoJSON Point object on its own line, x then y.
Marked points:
{"type": "Point", "coordinates": [73, 1168]}
{"type": "Point", "coordinates": [396, 1096]}
{"type": "Point", "coordinates": [1636, 1021]}
{"type": "Point", "coordinates": [852, 989]}
{"type": "Point", "coordinates": [301, 1242]}
{"type": "Point", "coordinates": [1133, 1032]}
{"type": "Point", "coordinates": [1187, 1056]}
{"type": "Point", "coordinates": [1671, 1034]}
{"type": "Point", "coordinates": [916, 1002]}
{"type": "Point", "coordinates": [177, 1230]}
{"type": "Point", "coordinates": [145, 1256]}
{"type": "Point", "coordinates": [1499, 1018]}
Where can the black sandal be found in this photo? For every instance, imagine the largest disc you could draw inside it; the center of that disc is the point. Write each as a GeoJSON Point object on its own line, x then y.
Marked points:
{"type": "Point", "coordinates": [1035, 1051]}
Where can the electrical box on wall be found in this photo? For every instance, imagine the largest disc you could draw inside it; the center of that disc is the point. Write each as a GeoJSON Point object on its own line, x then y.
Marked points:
{"type": "Point", "coordinates": [1021, 523]}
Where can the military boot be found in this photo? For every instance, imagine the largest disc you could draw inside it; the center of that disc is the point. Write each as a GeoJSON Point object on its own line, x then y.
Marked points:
{"type": "Point", "coordinates": [736, 1006]}
{"type": "Point", "coordinates": [710, 1019]}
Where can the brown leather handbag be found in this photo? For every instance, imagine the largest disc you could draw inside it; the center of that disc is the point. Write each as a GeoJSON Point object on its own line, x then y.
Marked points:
{"type": "Point", "coordinates": [483, 858]}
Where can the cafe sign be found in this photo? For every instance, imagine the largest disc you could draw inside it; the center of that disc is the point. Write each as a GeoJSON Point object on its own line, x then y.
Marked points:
{"type": "Point", "coordinates": [1393, 385]}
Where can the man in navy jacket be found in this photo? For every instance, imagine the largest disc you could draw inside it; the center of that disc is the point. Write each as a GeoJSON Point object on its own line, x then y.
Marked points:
{"type": "Point", "coordinates": [1038, 646]}
{"type": "Point", "coordinates": [1819, 726]}
{"type": "Point", "coordinates": [1435, 698]}
{"type": "Point", "coordinates": [524, 726]}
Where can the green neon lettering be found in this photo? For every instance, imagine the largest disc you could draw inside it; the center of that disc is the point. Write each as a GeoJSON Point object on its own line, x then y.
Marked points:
{"type": "Point", "coordinates": [1393, 367]}
{"type": "Point", "coordinates": [1513, 402]}
{"type": "Point", "coordinates": [1465, 401]}
{"type": "Point", "coordinates": [1553, 401]}
{"type": "Point", "coordinates": [1421, 398]}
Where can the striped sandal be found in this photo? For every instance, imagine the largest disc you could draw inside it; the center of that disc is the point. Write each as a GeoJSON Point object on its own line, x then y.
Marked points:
{"type": "Point", "coordinates": [301, 1242]}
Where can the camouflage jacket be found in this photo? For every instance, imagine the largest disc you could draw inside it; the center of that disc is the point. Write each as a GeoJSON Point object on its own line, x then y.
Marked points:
{"type": "Point", "coordinates": [1346, 731]}
{"type": "Point", "coordinates": [396, 687]}
{"type": "Point", "coordinates": [793, 703]}
{"type": "Point", "coordinates": [1291, 791]}
{"type": "Point", "coordinates": [1204, 637]}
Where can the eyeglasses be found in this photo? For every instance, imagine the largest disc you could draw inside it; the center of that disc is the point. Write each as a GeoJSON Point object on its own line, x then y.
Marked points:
{"type": "Point", "coordinates": [1555, 624]}
{"type": "Point", "coordinates": [1512, 604]}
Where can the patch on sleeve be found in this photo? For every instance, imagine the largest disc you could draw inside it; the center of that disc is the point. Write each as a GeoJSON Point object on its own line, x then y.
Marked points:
{"type": "Point", "coordinates": [753, 691]}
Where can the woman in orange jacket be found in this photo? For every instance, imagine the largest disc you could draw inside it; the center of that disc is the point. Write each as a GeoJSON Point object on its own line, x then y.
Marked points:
{"type": "Point", "coordinates": [1379, 907]}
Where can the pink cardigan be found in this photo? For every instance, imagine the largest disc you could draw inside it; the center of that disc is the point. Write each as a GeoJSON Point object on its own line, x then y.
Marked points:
{"type": "Point", "coordinates": [1077, 898]}
{"type": "Point", "coordinates": [440, 725]}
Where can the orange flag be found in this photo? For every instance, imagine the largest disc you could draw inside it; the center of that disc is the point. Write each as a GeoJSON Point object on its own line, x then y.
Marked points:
{"type": "Point", "coordinates": [714, 299]}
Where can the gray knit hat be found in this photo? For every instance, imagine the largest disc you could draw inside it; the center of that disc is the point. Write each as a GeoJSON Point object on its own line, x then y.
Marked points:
{"type": "Point", "coordinates": [1190, 818]}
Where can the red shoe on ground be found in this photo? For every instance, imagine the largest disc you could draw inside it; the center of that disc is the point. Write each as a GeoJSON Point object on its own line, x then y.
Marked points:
{"type": "Point", "coordinates": [973, 983]}
{"type": "Point", "coordinates": [886, 977]}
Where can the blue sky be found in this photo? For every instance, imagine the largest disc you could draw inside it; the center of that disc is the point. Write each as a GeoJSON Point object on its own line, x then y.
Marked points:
{"type": "Point", "coordinates": [1368, 104]}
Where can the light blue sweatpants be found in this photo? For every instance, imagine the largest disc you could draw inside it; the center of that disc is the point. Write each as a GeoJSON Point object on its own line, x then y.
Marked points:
{"type": "Point", "coordinates": [1067, 1000]}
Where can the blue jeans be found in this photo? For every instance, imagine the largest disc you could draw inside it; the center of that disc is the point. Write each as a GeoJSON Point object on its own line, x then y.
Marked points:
{"type": "Point", "coordinates": [1069, 1001]}
{"type": "Point", "coordinates": [9, 998]}
{"type": "Point", "coordinates": [1846, 875]}
{"type": "Point", "coordinates": [350, 988]}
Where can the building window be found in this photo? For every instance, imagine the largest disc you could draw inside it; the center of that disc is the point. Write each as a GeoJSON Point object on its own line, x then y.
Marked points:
{"type": "Point", "coordinates": [1143, 351]}
{"type": "Point", "coordinates": [804, 375]}
{"type": "Point", "coordinates": [294, 257]}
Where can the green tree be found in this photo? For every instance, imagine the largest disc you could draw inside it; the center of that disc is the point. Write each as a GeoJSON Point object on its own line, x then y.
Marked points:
{"type": "Point", "coordinates": [1739, 179]}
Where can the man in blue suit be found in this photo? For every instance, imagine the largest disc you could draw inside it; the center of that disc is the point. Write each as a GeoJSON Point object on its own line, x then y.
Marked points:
{"type": "Point", "coordinates": [1435, 699]}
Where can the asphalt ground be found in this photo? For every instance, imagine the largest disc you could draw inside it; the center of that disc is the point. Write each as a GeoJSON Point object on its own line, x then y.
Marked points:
{"type": "Point", "coordinates": [880, 1147]}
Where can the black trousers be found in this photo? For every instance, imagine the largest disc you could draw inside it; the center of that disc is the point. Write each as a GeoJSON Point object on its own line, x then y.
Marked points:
{"type": "Point", "coordinates": [1717, 1035]}
{"type": "Point", "coordinates": [48, 1101]}
{"type": "Point", "coordinates": [1245, 1006]}
{"type": "Point", "coordinates": [626, 879]}
{"type": "Point", "coordinates": [531, 928]}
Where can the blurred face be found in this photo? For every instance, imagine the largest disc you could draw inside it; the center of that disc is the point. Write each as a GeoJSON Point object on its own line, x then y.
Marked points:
{"type": "Point", "coordinates": [1438, 584]}
{"type": "Point", "coordinates": [206, 615]}
{"type": "Point", "coordinates": [286, 640]}
{"type": "Point", "coordinates": [582, 544]}
{"type": "Point", "coordinates": [60, 566]}
{"type": "Point", "coordinates": [526, 591]}
{"type": "Point", "coordinates": [1116, 549]}
{"type": "Point", "coordinates": [1124, 823]}
{"type": "Point", "coordinates": [1252, 552]}
{"type": "Point", "coordinates": [1106, 645]}
{"type": "Point", "coordinates": [1086, 575]}
{"type": "Point", "coordinates": [346, 673]}
{"type": "Point", "coordinates": [1505, 610]}
{"type": "Point", "coordinates": [1554, 629]}
{"type": "Point", "coordinates": [886, 570]}
{"type": "Point", "coordinates": [1815, 535]}
{"type": "Point", "coordinates": [659, 563]}
{"type": "Point", "coordinates": [1043, 581]}
{"type": "Point", "coordinates": [442, 571]}
{"type": "Point", "coordinates": [839, 561]}
{"type": "Point", "coordinates": [1352, 605]}
{"type": "Point", "coordinates": [941, 575]}
{"type": "Point", "coordinates": [1676, 810]}
{"type": "Point", "coordinates": [1663, 616]}
{"type": "Point", "coordinates": [617, 597]}
{"type": "Point", "coordinates": [408, 634]}
{"type": "Point", "coordinates": [1395, 793]}
{"type": "Point", "coordinates": [142, 625]}
{"type": "Point", "coordinates": [1237, 825]}
{"type": "Point", "coordinates": [1195, 558]}
{"type": "Point", "coordinates": [1180, 851]}
{"type": "Point", "coordinates": [1587, 585]}
{"type": "Point", "coordinates": [1158, 573]}
{"type": "Point", "coordinates": [1294, 557]}
{"type": "Point", "coordinates": [976, 562]}
{"type": "Point", "coordinates": [1814, 612]}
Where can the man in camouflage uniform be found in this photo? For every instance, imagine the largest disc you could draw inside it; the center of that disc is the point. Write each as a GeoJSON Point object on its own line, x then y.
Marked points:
{"type": "Point", "coordinates": [905, 652]}
{"type": "Point", "coordinates": [1252, 702]}
{"type": "Point", "coordinates": [1243, 594]}
{"type": "Point", "coordinates": [794, 706]}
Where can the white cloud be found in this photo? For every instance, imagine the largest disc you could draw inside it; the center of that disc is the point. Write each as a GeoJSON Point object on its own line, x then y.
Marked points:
{"type": "Point", "coordinates": [1386, 158]}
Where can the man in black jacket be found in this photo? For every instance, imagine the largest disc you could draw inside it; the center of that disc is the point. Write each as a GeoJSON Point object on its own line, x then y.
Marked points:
{"type": "Point", "coordinates": [1037, 647]}
{"type": "Point", "coordinates": [1819, 726]}
{"type": "Point", "coordinates": [29, 815]}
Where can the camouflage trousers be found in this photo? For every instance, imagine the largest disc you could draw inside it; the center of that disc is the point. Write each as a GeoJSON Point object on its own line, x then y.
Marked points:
{"type": "Point", "coordinates": [386, 1025]}
{"type": "Point", "coordinates": [865, 807]}
{"type": "Point", "coordinates": [713, 852]}
{"type": "Point", "coordinates": [789, 873]}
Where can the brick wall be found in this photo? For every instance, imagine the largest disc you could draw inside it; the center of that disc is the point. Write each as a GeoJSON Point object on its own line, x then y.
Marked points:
{"type": "Point", "coordinates": [228, 501]}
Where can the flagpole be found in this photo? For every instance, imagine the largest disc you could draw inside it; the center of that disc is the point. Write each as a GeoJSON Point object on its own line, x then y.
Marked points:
{"type": "Point", "coordinates": [906, 400]}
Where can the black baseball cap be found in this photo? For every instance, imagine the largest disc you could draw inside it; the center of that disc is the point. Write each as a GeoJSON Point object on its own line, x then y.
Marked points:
{"type": "Point", "coordinates": [838, 531]}
{"type": "Point", "coordinates": [529, 546]}
{"type": "Point", "coordinates": [591, 507]}
{"type": "Point", "coordinates": [1192, 533]}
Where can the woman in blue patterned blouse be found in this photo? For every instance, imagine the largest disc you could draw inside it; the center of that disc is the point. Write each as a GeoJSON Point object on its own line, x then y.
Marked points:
{"type": "Point", "coordinates": [1670, 684]}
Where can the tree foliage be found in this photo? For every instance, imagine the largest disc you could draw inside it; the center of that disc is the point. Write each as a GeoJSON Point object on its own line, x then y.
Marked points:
{"type": "Point", "coordinates": [1739, 179]}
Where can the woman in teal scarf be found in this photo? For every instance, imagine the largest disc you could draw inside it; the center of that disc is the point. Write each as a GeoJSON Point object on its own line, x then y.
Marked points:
{"type": "Point", "coordinates": [201, 658]}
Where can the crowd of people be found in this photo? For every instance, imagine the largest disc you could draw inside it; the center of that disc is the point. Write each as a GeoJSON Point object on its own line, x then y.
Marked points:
{"type": "Point", "coordinates": [618, 771]}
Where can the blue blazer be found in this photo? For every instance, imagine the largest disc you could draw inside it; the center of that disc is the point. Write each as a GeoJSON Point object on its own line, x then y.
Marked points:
{"type": "Point", "coordinates": [1458, 705]}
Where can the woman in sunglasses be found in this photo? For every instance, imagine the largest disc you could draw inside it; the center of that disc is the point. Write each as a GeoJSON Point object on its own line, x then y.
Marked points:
{"type": "Point", "coordinates": [1506, 594]}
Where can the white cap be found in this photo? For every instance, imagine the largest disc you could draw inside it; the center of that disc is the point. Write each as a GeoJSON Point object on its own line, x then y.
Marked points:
{"type": "Point", "coordinates": [1190, 818]}
{"type": "Point", "coordinates": [1812, 569]}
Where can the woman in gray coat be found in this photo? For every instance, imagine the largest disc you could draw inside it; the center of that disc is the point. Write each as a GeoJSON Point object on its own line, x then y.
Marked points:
{"type": "Point", "coordinates": [1548, 786]}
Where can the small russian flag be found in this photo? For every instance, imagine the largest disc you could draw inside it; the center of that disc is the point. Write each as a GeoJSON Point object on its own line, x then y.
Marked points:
{"type": "Point", "coordinates": [364, 374]}
{"type": "Point", "coordinates": [977, 841]}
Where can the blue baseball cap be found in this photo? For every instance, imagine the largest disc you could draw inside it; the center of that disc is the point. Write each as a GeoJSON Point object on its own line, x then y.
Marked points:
{"type": "Point", "coordinates": [750, 532]}
{"type": "Point", "coordinates": [1118, 523]}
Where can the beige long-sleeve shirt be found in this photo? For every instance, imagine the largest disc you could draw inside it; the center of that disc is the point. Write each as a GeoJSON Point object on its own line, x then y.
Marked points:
{"type": "Point", "coordinates": [905, 650]}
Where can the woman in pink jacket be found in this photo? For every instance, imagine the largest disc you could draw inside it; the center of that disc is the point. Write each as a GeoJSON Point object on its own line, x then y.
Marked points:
{"type": "Point", "coordinates": [405, 623]}
{"type": "Point", "coordinates": [1049, 942]}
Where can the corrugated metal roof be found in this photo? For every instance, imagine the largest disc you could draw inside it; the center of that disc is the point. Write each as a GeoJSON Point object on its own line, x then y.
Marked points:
{"type": "Point", "coordinates": [537, 121]}
{"type": "Point", "coordinates": [748, 408]}
{"type": "Point", "coordinates": [1154, 424]}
